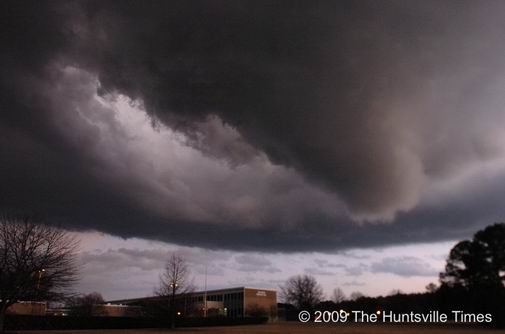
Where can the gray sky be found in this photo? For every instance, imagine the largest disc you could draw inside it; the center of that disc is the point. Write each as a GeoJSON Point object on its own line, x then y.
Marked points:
{"type": "Point", "coordinates": [120, 268]}
{"type": "Point", "coordinates": [257, 131]}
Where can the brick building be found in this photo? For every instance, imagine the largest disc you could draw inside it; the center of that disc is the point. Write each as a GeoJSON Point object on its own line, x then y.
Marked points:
{"type": "Point", "coordinates": [234, 302]}
{"type": "Point", "coordinates": [27, 308]}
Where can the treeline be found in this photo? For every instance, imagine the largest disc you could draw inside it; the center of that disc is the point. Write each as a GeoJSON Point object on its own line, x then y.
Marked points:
{"type": "Point", "coordinates": [486, 300]}
{"type": "Point", "coordinates": [472, 282]}
{"type": "Point", "coordinates": [445, 300]}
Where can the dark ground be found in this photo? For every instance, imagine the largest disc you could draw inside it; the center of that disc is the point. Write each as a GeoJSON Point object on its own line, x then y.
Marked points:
{"type": "Point", "coordinates": [296, 328]}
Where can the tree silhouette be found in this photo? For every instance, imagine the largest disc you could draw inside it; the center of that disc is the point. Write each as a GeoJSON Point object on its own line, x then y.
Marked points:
{"type": "Point", "coordinates": [303, 291]}
{"type": "Point", "coordinates": [431, 288]}
{"type": "Point", "coordinates": [356, 295]}
{"type": "Point", "coordinates": [475, 272]}
{"type": "Point", "coordinates": [83, 305]}
{"type": "Point", "coordinates": [338, 296]}
{"type": "Point", "coordinates": [37, 262]}
{"type": "Point", "coordinates": [478, 262]}
{"type": "Point", "coordinates": [174, 281]}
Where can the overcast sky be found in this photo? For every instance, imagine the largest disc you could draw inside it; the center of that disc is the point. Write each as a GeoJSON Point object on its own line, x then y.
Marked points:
{"type": "Point", "coordinates": [258, 133]}
{"type": "Point", "coordinates": [130, 268]}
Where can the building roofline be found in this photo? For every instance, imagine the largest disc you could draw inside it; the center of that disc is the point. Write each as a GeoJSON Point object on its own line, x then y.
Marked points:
{"type": "Point", "coordinates": [253, 288]}
{"type": "Point", "coordinates": [194, 292]}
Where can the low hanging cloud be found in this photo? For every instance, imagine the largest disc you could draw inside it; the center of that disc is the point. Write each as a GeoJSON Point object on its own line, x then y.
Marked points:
{"type": "Point", "coordinates": [356, 270]}
{"type": "Point", "coordinates": [407, 266]}
{"type": "Point", "coordinates": [125, 258]}
{"type": "Point", "coordinates": [354, 283]}
{"type": "Point", "coordinates": [318, 271]}
{"type": "Point", "coordinates": [255, 126]}
{"type": "Point", "coordinates": [255, 263]}
{"type": "Point", "coordinates": [152, 261]}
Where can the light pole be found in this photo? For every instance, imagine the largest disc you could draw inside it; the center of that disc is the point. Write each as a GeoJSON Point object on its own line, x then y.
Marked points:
{"type": "Point", "coordinates": [39, 272]}
{"type": "Point", "coordinates": [173, 286]}
{"type": "Point", "coordinates": [39, 276]}
{"type": "Point", "coordinates": [205, 295]}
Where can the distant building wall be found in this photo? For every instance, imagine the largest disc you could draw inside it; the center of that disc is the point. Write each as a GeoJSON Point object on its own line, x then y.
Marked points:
{"type": "Point", "coordinates": [233, 302]}
{"type": "Point", "coordinates": [110, 310]}
{"type": "Point", "coordinates": [27, 308]}
{"type": "Point", "coordinates": [214, 308]}
{"type": "Point", "coordinates": [256, 300]}
{"type": "Point", "coordinates": [58, 311]}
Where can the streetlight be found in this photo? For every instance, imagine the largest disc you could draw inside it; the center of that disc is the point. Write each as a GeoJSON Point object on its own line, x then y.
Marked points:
{"type": "Point", "coordinates": [173, 286]}
{"type": "Point", "coordinates": [205, 294]}
{"type": "Point", "coordinates": [39, 276]}
{"type": "Point", "coordinates": [40, 272]}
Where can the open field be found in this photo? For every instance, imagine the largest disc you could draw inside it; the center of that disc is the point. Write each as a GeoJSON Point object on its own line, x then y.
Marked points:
{"type": "Point", "coordinates": [294, 328]}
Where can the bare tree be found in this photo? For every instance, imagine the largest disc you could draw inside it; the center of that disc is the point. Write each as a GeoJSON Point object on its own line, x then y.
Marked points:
{"type": "Point", "coordinates": [303, 291]}
{"type": "Point", "coordinates": [356, 295]}
{"type": "Point", "coordinates": [174, 281]}
{"type": "Point", "coordinates": [37, 262]}
{"type": "Point", "coordinates": [83, 305]}
{"type": "Point", "coordinates": [395, 292]}
{"type": "Point", "coordinates": [431, 288]}
{"type": "Point", "coordinates": [338, 296]}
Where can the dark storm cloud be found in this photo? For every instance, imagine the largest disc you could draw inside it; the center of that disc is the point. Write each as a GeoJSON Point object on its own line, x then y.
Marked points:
{"type": "Point", "coordinates": [357, 96]}
{"type": "Point", "coordinates": [364, 109]}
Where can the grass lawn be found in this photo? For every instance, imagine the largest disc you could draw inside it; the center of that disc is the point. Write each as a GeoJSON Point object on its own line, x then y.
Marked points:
{"type": "Point", "coordinates": [295, 328]}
